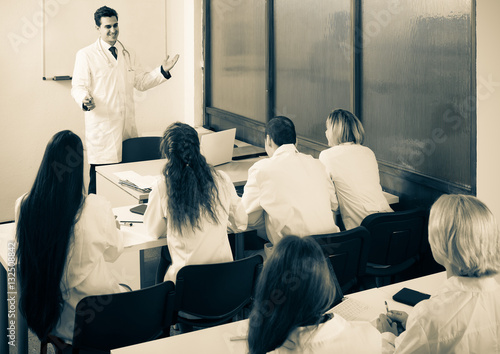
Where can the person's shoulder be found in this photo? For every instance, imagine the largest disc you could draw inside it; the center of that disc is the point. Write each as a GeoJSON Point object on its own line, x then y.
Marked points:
{"type": "Point", "coordinates": [17, 205]}
{"type": "Point", "coordinates": [87, 52]}
{"type": "Point", "coordinates": [128, 48]}
{"type": "Point", "coordinates": [159, 184]}
{"type": "Point", "coordinates": [331, 151]}
{"type": "Point", "coordinates": [309, 159]}
{"type": "Point", "coordinates": [222, 176]}
{"type": "Point", "coordinates": [20, 200]}
{"type": "Point", "coordinates": [96, 203]}
{"type": "Point", "coordinates": [365, 148]}
{"type": "Point", "coordinates": [261, 164]}
{"type": "Point", "coordinates": [91, 47]}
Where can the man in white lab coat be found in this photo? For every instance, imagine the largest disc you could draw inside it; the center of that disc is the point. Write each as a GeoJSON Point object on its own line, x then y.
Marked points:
{"type": "Point", "coordinates": [105, 75]}
{"type": "Point", "coordinates": [291, 192]}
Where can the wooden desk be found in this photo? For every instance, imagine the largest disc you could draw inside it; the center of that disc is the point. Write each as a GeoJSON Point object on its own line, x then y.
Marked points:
{"type": "Point", "coordinates": [119, 195]}
{"type": "Point", "coordinates": [217, 339]}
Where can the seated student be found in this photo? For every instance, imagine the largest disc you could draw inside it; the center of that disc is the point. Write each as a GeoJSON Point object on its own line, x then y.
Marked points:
{"type": "Point", "coordinates": [290, 192]}
{"type": "Point", "coordinates": [64, 241]}
{"type": "Point", "coordinates": [192, 204]}
{"type": "Point", "coordinates": [353, 169]}
{"type": "Point", "coordinates": [464, 315]}
{"type": "Point", "coordinates": [293, 294]}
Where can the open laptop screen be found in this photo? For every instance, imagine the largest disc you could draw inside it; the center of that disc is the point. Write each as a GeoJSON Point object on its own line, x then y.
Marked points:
{"type": "Point", "coordinates": [217, 147]}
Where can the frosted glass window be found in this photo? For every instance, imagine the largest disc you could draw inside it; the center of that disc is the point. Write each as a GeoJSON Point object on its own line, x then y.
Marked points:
{"type": "Point", "coordinates": [237, 39]}
{"type": "Point", "coordinates": [418, 105]}
{"type": "Point", "coordinates": [313, 62]}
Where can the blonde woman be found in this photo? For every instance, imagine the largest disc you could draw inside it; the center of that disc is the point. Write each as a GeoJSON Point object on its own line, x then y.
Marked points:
{"type": "Point", "coordinates": [464, 315]}
{"type": "Point", "coordinates": [353, 169]}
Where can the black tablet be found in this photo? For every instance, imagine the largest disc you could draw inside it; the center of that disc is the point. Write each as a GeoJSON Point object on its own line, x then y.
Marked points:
{"type": "Point", "coordinates": [140, 209]}
{"type": "Point", "coordinates": [409, 296]}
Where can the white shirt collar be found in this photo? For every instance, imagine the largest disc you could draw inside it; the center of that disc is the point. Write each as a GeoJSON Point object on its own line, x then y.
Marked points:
{"type": "Point", "coordinates": [105, 45]}
{"type": "Point", "coordinates": [285, 149]}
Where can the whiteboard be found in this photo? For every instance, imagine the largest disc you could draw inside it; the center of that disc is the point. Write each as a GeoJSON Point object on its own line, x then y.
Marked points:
{"type": "Point", "coordinates": [69, 26]}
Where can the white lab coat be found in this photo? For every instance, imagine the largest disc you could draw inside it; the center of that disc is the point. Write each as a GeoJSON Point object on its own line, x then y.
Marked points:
{"type": "Point", "coordinates": [334, 336]}
{"type": "Point", "coordinates": [204, 245]}
{"type": "Point", "coordinates": [462, 317]}
{"type": "Point", "coordinates": [111, 83]}
{"type": "Point", "coordinates": [292, 193]}
{"type": "Point", "coordinates": [354, 171]}
{"type": "Point", "coordinates": [95, 242]}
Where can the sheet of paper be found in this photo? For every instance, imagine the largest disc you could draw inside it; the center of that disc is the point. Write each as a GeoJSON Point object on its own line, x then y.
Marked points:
{"type": "Point", "coordinates": [140, 181]}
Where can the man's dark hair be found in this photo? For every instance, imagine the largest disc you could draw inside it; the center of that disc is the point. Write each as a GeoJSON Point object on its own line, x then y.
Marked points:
{"type": "Point", "coordinates": [281, 130]}
{"type": "Point", "coordinates": [104, 12]}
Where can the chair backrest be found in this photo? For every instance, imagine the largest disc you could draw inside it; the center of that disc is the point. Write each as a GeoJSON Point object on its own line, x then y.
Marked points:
{"type": "Point", "coordinates": [347, 252]}
{"type": "Point", "coordinates": [396, 237]}
{"type": "Point", "coordinates": [216, 292]}
{"type": "Point", "coordinates": [105, 322]}
{"type": "Point", "coordinates": [141, 149]}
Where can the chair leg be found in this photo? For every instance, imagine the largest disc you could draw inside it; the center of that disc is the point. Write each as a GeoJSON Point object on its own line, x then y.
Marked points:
{"type": "Point", "coordinates": [57, 343]}
{"type": "Point", "coordinates": [185, 328]}
{"type": "Point", "coordinates": [165, 262]}
{"type": "Point", "coordinates": [43, 347]}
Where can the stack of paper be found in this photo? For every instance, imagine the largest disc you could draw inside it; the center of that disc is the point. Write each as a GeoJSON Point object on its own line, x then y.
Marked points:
{"type": "Point", "coordinates": [135, 181]}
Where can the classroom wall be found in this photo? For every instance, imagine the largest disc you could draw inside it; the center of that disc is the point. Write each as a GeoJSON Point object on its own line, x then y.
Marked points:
{"type": "Point", "coordinates": [488, 104]}
{"type": "Point", "coordinates": [32, 110]}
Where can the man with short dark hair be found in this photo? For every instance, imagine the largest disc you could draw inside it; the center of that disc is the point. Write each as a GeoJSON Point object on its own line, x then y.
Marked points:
{"type": "Point", "coordinates": [291, 193]}
{"type": "Point", "coordinates": [105, 75]}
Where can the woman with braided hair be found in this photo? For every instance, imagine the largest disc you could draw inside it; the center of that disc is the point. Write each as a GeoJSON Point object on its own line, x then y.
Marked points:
{"type": "Point", "coordinates": [192, 204]}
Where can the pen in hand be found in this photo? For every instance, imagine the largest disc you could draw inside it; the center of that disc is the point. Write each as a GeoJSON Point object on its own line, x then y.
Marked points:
{"type": "Point", "coordinates": [387, 313]}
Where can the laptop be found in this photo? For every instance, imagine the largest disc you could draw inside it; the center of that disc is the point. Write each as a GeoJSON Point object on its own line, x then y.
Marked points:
{"type": "Point", "coordinates": [349, 308]}
{"type": "Point", "coordinates": [217, 147]}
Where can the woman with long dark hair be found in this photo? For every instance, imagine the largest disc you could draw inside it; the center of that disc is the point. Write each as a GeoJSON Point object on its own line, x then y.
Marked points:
{"type": "Point", "coordinates": [192, 204]}
{"type": "Point", "coordinates": [64, 239]}
{"type": "Point", "coordinates": [294, 292]}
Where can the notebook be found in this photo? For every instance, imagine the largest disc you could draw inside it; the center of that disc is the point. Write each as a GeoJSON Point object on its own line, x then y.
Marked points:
{"type": "Point", "coordinates": [217, 147]}
{"type": "Point", "coordinates": [351, 309]}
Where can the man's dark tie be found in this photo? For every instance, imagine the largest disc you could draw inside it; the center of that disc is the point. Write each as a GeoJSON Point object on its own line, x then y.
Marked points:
{"type": "Point", "coordinates": [113, 51]}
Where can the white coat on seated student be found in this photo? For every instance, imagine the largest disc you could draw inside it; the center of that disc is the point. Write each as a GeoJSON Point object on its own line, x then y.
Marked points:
{"type": "Point", "coordinates": [353, 169]}
{"type": "Point", "coordinates": [464, 315]}
{"type": "Point", "coordinates": [290, 192]}
{"type": "Point", "coordinates": [192, 204]}
{"type": "Point", "coordinates": [65, 240]}
{"type": "Point", "coordinates": [294, 291]}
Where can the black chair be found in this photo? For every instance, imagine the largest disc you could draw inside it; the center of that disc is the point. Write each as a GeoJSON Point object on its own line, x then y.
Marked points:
{"type": "Point", "coordinates": [395, 241]}
{"type": "Point", "coordinates": [105, 322]}
{"type": "Point", "coordinates": [215, 293]}
{"type": "Point", "coordinates": [347, 252]}
{"type": "Point", "coordinates": [141, 149]}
